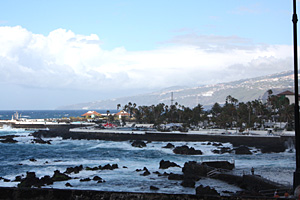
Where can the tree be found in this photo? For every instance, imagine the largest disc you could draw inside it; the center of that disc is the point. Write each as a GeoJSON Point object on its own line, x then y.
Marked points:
{"type": "Point", "coordinates": [118, 106]}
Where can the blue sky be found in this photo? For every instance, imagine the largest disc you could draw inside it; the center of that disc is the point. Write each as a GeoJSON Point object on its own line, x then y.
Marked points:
{"type": "Point", "coordinates": [62, 52]}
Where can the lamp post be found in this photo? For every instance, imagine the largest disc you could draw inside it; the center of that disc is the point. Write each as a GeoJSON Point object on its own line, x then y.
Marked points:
{"type": "Point", "coordinates": [297, 137]}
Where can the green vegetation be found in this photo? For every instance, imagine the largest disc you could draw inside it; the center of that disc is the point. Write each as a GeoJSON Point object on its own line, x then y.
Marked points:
{"type": "Point", "coordinates": [233, 114]}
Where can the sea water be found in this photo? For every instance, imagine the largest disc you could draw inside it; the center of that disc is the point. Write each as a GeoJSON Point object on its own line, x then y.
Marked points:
{"type": "Point", "coordinates": [60, 154]}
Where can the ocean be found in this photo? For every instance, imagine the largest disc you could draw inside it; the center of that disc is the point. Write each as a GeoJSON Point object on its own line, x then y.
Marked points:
{"type": "Point", "coordinates": [60, 154]}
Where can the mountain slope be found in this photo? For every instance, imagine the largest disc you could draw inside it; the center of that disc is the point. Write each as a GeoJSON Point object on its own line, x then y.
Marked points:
{"type": "Point", "coordinates": [243, 90]}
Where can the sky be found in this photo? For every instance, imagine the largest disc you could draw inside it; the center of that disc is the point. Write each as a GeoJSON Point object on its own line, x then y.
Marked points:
{"type": "Point", "coordinates": [55, 53]}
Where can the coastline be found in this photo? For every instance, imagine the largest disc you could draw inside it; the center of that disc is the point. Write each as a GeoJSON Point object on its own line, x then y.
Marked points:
{"type": "Point", "coordinates": [258, 141]}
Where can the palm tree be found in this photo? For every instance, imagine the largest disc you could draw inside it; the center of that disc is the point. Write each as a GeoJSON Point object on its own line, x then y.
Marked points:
{"type": "Point", "coordinates": [118, 106]}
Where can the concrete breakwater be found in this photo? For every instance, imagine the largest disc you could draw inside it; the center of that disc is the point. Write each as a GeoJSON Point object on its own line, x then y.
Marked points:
{"type": "Point", "coordinates": [277, 143]}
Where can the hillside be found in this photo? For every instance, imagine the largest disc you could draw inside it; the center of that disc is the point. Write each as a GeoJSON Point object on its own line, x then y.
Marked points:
{"type": "Point", "coordinates": [243, 90]}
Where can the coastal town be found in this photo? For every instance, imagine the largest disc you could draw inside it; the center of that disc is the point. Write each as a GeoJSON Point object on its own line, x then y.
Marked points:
{"type": "Point", "coordinates": [275, 116]}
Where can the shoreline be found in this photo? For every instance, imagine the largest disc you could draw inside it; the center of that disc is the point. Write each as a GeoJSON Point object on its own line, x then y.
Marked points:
{"type": "Point", "coordinates": [258, 141]}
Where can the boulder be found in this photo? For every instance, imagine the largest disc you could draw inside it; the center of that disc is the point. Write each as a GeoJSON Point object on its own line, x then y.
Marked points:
{"type": "Point", "coordinates": [85, 179]}
{"type": "Point", "coordinates": [68, 184]}
{"type": "Point", "coordinates": [97, 178]}
{"type": "Point", "coordinates": [138, 143]}
{"type": "Point", "coordinates": [206, 191]}
{"type": "Point", "coordinates": [40, 141]}
{"type": "Point", "coordinates": [109, 167]}
{"type": "Point", "coordinates": [146, 172]}
{"type": "Point", "coordinates": [75, 169]}
{"type": "Point", "coordinates": [166, 164]}
{"type": "Point", "coordinates": [219, 164]}
{"type": "Point", "coordinates": [92, 168]}
{"type": "Point", "coordinates": [32, 160]}
{"type": "Point", "coordinates": [58, 176]}
{"type": "Point", "coordinates": [194, 170]}
{"type": "Point", "coordinates": [217, 144]}
{"type": "Point", "coordinates": [8, 139]}
{"type": "Point", "coordinates": [169, 146]}
{"type": "Point", "coordinates": [176, 177]}
{"type": "Point", "coordinates": [186, 150]}
{"type": "Point", "coordinates": [153, 188]}
{"type": "Point", "coordinates": [225, 150]}
{"type": "Point", "coordinates": [17, 179]}
{"type": "Point", "coordinates": [188, 183]}
{"type": "Point", "coordinates": [242, 150]}
{"type": "Point", "coordinates": [46, 180]}
{"type": "Point", "coordinates": [29, 181]}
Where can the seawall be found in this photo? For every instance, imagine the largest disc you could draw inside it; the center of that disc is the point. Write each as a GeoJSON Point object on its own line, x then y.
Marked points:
{"type": "Point", "coordinates": [236, 140]}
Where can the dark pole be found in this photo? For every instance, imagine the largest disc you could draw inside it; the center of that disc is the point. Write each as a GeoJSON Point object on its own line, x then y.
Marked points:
{"type": "Point", "coordinates": [297, 138]}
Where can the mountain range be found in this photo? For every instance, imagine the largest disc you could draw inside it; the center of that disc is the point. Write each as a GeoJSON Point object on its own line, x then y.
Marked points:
{"type": "Point", "coordinates": [243, 90]}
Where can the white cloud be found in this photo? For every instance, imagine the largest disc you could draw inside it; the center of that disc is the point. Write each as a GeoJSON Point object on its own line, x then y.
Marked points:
{"type": "Point", "coordinates": [65, 60]}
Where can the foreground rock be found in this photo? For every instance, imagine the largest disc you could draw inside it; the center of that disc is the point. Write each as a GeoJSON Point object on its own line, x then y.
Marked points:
{"type": "Point", "coordinates": [105, 167]}
{"type": "Point", "coordinates": [166, 164]}
{"type": "Point", "coordinates": [58, 176]}
{"type": "Point", "coordinates": [8, 139]}
{"type": "Point", "coordinates": [206, 191]}
{"type": "Point", "coordinates": [51, 194]}
{"type": "Point", "coordinates": [32, 181]}
{"type": "Point", "coordinates": [169, 146]}
{"type": "Point", "coordinates": [176, 177]}
{"type": "Point", "coordinates": [74, 170]}
{"type": "Point", "coordinates": [194, 170]}
{"type": "Point", "coordinates": [219, 164]}
{"type": "Point", "coordinates": [243, 150]}
{"type": "Point", "coordinates": [40, 141]}
{"type": "Point", "coordinates": [138, 143]}
{"type": "Point", "coordinates": [186, 150]}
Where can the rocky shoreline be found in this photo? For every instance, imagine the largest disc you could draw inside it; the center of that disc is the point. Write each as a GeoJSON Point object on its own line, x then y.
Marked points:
{"type": "Point", "coordinates": [267, 144]}
{"type": "Point", "coordinates": [192, 171]}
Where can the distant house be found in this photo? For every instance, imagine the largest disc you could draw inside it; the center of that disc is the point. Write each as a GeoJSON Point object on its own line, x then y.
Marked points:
{"type": "Point", "coordinates": [122, 113]}
{"type": "Point", "coordinates": [91, 114]}
{"type": "Point", "coordinates": [289, 95]}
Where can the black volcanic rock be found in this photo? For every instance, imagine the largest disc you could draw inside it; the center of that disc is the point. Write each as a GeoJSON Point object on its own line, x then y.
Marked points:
{"type": "Point", "coordinates": [242, 150]}
{"type": "Point", "coordinates": [97, 178]}
{"type": "Point", "coordinates": [8, 139]}
{"type": "Point", "coordinates": [186, 150]}
{"type": "Point", "coordinates": [138, 143]}
{"type": "Point", "coordinates": [46, 180]}
{"type": "Point", "coordinates": [206, 191]}
{"type": "Point", "coordinates": [58, 176]}
{"type": "Point", "coordinates": [219, 164]}
{"type": "Point", "coordinates": [29, 181]}
{"type": "Point", "coordinates": [169, 146]}
{"type": "Point", "coordinates": [41, 141]}
{"type": "Point", "coordinates": [194, 170]}
{"type": "Point", "coordinates": [85, 179]}
{"type": "Point", "coordinates": [146, 172]}
{"type": "Point", "coordinates": [109, 167]}
{"type": "Point", "coordinates": [175, 177]}
{"type": "Point", "coordinates": [153, 188]}
{"type": "Point", "coordinates": [188, 183]}
{"type": "Point", "coordinates": [68, 184]}
{"type": "Point", "coordinates": [75, 169]}
{"type": "Point", "coordinates": [166, 164]}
